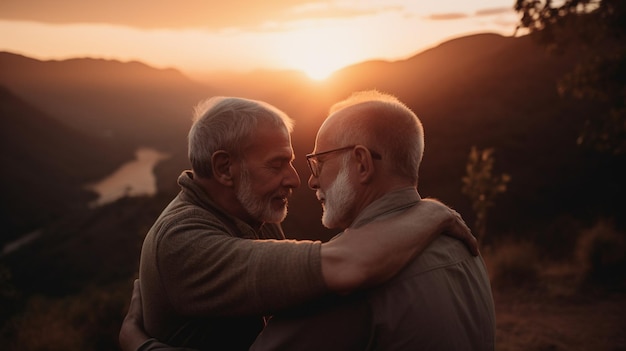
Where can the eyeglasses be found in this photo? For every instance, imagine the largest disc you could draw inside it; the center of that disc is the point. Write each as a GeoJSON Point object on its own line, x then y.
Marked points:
{"type": "Point", "coordinates": [315, 164]}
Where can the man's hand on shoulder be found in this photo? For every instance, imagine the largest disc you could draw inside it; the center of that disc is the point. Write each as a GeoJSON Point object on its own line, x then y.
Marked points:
{"type": "Point", "coordinates": [373, 253]}
{"type": "Point", "coordinates": [452, 224]}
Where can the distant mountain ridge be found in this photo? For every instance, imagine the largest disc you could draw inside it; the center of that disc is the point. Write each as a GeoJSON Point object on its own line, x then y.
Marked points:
{"type": "Point", "coordinates": [122, 102]}
{"type": "Point", "coordinates": [485, 90]}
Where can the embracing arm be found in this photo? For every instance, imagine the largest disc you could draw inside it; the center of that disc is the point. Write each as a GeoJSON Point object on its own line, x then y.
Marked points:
{"type": "Point", "coordinates": [132, 336]}
{"type": "Point", "coordinates": [358, 258]}
{"type": "Point", "coordinates": [375, 252]}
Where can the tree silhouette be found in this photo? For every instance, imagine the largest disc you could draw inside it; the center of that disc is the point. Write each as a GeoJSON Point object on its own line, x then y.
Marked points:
{"type": "Point", "coordinates": [594, 31]}
{"type": "Point", "coordinates": [481, 186]}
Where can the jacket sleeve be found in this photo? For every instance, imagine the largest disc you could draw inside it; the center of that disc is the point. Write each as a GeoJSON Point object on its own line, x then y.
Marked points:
{"type": "Point", "coordinates": [221, 275]}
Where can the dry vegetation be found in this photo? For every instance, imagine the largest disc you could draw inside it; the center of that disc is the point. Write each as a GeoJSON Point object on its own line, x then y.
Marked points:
{"type": "Point", "coordinates": [575, 304]}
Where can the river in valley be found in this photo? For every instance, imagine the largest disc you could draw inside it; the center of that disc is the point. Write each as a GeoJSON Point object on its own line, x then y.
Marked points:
{"type": "Point", "coordinates": [134, 178]}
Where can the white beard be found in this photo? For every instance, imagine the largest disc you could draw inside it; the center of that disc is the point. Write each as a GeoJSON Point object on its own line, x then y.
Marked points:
{"type": "Point", "coordinates": [254, 205]}
{"type": "Point", "coordinates": [337, 200]}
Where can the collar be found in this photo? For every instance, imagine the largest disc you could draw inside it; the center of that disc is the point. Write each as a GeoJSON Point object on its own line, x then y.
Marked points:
{"type": "Point", "coordinates": [390, 203]}
{"type": "Point", "coordinates": [196, 195]}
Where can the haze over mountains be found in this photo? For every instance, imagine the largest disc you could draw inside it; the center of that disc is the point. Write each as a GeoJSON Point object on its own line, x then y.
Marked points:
{"type": "Point", "coordinates": [68, 122]}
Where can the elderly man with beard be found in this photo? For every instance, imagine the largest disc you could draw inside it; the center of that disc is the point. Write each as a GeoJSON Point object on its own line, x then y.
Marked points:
{"type": "Point", "coordinates": [214, 262]}
{"type": "Point", "coordinates": [365, 169]}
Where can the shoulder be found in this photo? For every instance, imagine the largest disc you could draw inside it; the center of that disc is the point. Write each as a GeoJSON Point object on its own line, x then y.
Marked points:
{"type": "Point", "coordinates": [443, 253]}
{"type": "Point", "coordinates": [181, 223]}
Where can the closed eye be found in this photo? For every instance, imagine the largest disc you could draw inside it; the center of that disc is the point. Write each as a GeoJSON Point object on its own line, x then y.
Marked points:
{"type": "Point", "coordinates": [279, 164]}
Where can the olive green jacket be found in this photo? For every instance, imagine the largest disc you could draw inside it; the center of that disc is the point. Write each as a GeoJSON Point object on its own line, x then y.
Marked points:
{"type": "Point", "coordinates": [207, 278]}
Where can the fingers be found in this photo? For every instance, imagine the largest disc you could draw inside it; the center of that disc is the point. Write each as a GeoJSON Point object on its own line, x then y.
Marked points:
{"type": "Point", "coordinates": [458, 228]}
{"type": "Point", "coordinates": [134, 310]}
{"type": "Point", "coordinates": [472, 244]}
{"type": "Point", "coordinates": [137, 289]}
{"type": "Point", "coordinates": [131, 334]}
{"type": "Point", "coordinates": [465, 233]}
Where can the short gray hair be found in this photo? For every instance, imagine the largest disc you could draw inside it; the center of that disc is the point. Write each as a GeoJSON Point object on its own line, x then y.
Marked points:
{"type": "Point", "coordinates": [386, 125]}
{"type": "Point", "coordinates": [225, 123]}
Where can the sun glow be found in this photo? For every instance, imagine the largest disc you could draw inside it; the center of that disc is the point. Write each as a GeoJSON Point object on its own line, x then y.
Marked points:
{"type": "Point", "coordinates": [318, 48]}
{"type": "Point", "coordinates": [319, 70]}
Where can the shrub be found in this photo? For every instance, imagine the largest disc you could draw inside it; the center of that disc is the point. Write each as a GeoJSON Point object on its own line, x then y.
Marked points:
{"type": "Point", "coordinates": [86, 321]}
{"type": "Point", "coordinates": [601, 255]}
{"type": "Point", "coordinates": [557, 239]}
{"type": "Point", "coordinates": [513, 265]}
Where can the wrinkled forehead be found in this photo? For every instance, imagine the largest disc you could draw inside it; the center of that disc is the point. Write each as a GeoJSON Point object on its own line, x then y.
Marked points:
{"type": "Point", "coordinates": [269, 140]}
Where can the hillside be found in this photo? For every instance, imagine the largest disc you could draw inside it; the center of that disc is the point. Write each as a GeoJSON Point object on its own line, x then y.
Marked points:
{"type": "Point", "coordinates": [45, 165]}
{"type": "Point", "coordinates": [124, 103]}
{"type": "Point", "coordinates": [484, 90]}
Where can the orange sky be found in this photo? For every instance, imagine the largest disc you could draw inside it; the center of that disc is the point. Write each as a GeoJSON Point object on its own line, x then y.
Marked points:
{"type": "Point", "coordinates": [202, 36]}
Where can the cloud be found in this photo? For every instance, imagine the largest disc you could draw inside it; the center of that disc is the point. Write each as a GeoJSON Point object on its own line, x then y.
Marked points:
{"type": "Point", "coordinates": [479, 13]}
{"type": "Point", "coordinates": [148, 14]}
{"type": "Point", "coordinates": [447, 16]}
{"type": "Point", "coordinates": [212, 15]}
{"type": "Point", "coordinates": [331, 9]}
{"type": "Point", "coordinates": [495, 11]}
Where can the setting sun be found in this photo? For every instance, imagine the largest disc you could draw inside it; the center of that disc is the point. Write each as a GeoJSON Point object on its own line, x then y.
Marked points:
{"type": "Point", "coordinates": [319, 70]}
{"type": "Point", "coordinates": [318, 48]}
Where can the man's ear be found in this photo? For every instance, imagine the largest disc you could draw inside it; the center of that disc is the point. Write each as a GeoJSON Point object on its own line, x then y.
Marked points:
{"type": "Point", "coordinates": [222, 167]}
{"type": "Point", "coordinates": [364, 164]}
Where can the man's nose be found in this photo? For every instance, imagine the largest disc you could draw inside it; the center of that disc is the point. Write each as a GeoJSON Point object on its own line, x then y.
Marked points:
{"type": "Point", "coordinates": [293, 179]}
{"type": "Point", "coordinates": [313, 182]}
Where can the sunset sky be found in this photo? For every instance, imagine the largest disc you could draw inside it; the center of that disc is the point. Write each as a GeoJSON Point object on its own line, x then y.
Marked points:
{"type": "Point", "coordinates": [196, 36]}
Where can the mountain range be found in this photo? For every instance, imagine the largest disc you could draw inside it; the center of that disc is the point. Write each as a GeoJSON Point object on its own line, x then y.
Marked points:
{"type": "Point", "coordinates": [65, 123]}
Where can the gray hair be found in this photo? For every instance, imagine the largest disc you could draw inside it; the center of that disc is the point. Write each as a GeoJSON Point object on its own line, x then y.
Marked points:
{"type": "Point", "coordinates": [383, 123]}
{"type": "Point", "coordinates": [225, 123]}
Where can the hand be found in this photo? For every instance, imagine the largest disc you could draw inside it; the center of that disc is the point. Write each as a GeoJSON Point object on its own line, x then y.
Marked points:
{"type": "Point", "coordinates": [132, 334]}
{"type": "Point", "coordinates": [455, 226]}
{"type": "Point", "coordinates": [371, 254]}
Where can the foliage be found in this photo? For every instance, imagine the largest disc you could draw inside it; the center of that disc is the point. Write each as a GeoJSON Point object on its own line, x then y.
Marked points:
{"type": "Point", "coordinates": [595, 31]}
{"type": "Point", "coordinates": [601, 253]}
{"type": "Point", "coordinates": [9, 296]}
{"type": "Point", "coordinates": [558, 238]}
{"type": "Point", "coordinates": [481, 186]}
{"type": "Point", "coordinates": [86, 321]}
{"type": "Point", "coordinates": [597, 262]}
{"type": "Point", "coordinates": [514, 265]}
